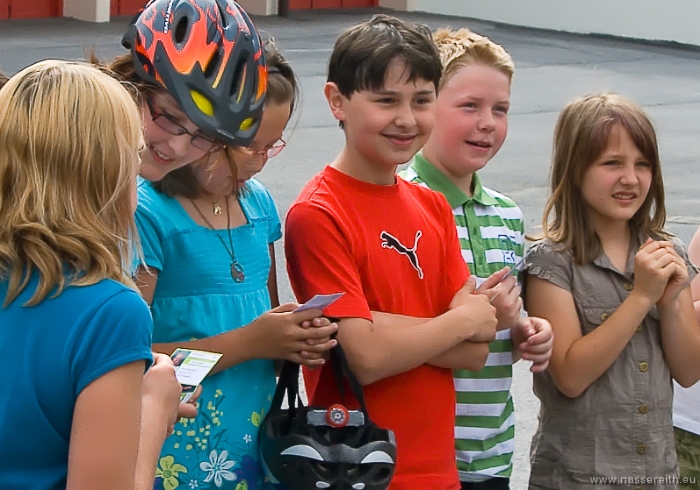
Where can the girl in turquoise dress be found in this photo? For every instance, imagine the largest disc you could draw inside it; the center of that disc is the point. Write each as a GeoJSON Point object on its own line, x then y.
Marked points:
{"type": "Point", "coordinates": [207, 232]}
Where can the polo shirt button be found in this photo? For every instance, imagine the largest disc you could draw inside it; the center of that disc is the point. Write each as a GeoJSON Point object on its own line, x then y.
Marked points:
{"type": "Point", "coordinates": [629, 286]}
{"type": "Point", "coordinates": [639, 328]}
{"type": "Point", "coordinates": [644, 366]}
{"type": "Point", "coordinates": [604, 316]}
{"type": "Point", "coordinates": [643, 408]}
{"type": "Point", "coordinates": [642, 448]}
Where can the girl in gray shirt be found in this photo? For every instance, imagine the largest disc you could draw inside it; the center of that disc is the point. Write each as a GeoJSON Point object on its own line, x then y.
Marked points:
{"type": "Point", "coordinates": [615, 287]}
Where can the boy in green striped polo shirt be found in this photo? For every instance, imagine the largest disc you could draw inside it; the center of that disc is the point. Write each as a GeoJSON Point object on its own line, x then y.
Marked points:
{"type": "Point", "coordinates": [471, 126]}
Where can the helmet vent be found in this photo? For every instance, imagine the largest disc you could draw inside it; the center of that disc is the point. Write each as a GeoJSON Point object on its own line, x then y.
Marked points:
{"type": "Point", "coordinates": [222, 15]}
{"type": "Point", "coordinates": [239, 80]}
{"type": "Point", "coordinates": [181, 31]}
{"type": "Point", "coordinates": [213, 66]}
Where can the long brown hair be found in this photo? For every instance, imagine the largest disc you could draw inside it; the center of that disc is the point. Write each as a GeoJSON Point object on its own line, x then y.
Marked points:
{"type": "Point", "coordinates": [70, 138]}
{"type": "Point", "coordinates": [580, 137]}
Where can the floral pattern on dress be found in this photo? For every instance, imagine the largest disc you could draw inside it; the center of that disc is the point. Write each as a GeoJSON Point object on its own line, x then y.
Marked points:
{"type": "Point", "coordinates": [217, 463]}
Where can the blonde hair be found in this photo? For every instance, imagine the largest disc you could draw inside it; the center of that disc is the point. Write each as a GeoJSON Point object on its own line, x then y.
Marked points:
{"type": "Point", "coordinates": [463, 47]}
{"type": "Point", "coordinates": [70, 137]}
{"type": "Point", "coordinates": [580, 137]}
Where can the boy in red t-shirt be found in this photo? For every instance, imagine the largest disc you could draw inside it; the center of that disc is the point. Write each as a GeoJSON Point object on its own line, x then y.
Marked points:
{"type": "Point", "coordinates": [405, 320]}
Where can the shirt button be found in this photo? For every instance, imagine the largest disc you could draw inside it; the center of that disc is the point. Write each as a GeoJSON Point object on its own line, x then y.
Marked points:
{"type": "Point", "coordinates": [638, 488]}
{"type": "Point", "coordinates": [604, 316]}
{"type": "Point", "coordinates": [639, 328]}
{"type": "Point", "coordinates": [642, 448]}
{"type": "Point", "coordinates": [629, 286]}
{"type": "Point", "coordinates": [644, 366]}
{"type": "Point", "coordinates": [643, 408]}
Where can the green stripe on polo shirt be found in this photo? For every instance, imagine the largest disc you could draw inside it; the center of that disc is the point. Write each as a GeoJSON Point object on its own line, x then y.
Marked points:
{"type": "Point", "coordinates": [484, 464]}
{"type": "Point", "coordinates": [467, 445]}
{"type": "Point", "coordinates": [500, 346]}
{"type": "Point", "coordinates": [488, 372]}
{"type": "Point", "coordinates": [482, 397]}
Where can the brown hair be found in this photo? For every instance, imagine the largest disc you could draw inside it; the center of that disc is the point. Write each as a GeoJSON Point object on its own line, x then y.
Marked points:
{"type": "Point", "coordinates": [282, 88]}
{"type": "Point", "coordinates": [182, 181]}
{"type": "Point", "coordinates": [122, 68]}
{"type": "Point", "coordinates": [463, 47]}
{"type": "Point", "coordinates": [70, 138]}
{"type": "Point", "coordinates": [363, 53]}
{"type": "Point", "coordinates": [580, 137]}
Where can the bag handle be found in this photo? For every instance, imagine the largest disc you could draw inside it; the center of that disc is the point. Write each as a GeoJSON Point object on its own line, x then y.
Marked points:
{"type": "Point", "coordinates": [341, 369]}
{"type": "Point", "coordinates": [288, 383]}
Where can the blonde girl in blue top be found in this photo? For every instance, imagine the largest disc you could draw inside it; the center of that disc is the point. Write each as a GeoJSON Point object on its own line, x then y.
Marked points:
{"type": "Point", "coordinates": [207, 232]}
{"type": "Point", "coordinates": [75, 336]}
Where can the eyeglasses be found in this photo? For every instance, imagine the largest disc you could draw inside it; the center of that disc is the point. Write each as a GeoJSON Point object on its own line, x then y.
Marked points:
{"type": "Point", "coordinates": [269, 152]}
{"type": "Point", "coordinates": [168, 124]}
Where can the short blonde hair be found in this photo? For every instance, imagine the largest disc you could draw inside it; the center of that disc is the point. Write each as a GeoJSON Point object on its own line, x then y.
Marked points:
{"type": "Point", "coordinates": [70, 138]}
{"type": "Point", "coordinates": [463, 47]}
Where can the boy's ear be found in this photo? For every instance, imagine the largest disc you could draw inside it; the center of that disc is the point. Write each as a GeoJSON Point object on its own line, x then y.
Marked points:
{"type": "Point", "coordinates": [335, 100]}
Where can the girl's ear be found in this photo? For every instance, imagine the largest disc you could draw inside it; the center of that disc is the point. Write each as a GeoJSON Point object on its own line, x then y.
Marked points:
{"type": "Point", "coordinates": [335, 100]}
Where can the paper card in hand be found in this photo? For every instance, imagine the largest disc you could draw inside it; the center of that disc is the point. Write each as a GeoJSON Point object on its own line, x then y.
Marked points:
{"type": "Point", "coordinates": [191, 367]}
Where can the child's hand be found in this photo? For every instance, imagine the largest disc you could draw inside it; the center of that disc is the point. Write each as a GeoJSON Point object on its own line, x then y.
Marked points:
{"type": "Point", "coordinates": [504, 295]}
{"type": "Point", "coordinates": [315, 323]}
{"type": "Point", "coordinates": [679, 279]}
{"type": "Point", "coordinates": [280, 335]}
{"type": "Point", "coordinates": [654, 265]}
{"type": "Point", "coordinates": [534, 338]}
{"type": "Point", "coordinates": [462, 296]}
{"type": "Point", "coordinates": [477, 316]}
{"type": "Point", "coordinates": [161, 388]}
{"type": "Point", "coordinates": [188, 409]}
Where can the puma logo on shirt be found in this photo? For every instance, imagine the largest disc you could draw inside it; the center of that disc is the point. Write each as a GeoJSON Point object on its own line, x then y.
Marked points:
{"type": "Point", "coordinates": [389, 241]}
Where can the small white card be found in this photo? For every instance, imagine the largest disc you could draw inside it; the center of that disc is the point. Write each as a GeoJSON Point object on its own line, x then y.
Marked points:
{"type": "Point", "coordinates": [320, 301]}
{"type": "Point", "coordinates": [191, 367]}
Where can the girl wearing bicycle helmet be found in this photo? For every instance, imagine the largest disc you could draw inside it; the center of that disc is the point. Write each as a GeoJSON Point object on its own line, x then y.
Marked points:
{"type": "Point", "coordinates": [200, 74]}
{"type": "Point", "coordinates": [208, 244]}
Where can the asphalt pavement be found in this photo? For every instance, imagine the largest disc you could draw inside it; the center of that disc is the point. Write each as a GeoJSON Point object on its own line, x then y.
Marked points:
{"type": "Point", "coordinates": [551, 69]}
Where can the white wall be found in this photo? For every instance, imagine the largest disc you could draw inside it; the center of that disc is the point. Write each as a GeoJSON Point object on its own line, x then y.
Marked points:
{"type": "Point", "coordinates": [666, 20]}
{"type": "Point", "coordinates": [90, 10]}
{"type": "Point", "coordinates": [259, 7]}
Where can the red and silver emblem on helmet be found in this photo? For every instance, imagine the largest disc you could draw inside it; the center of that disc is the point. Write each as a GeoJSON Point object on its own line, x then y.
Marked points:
{"type": "Point", "coordinates": [337, 416]}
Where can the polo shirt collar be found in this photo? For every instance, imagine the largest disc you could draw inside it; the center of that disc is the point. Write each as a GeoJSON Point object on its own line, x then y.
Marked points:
{"type": "Point", "coordinates": [437, 181]}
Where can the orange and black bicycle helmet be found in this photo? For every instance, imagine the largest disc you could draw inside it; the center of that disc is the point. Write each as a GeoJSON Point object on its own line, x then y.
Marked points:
{"type": "Point", "coordinates": [207, 55]}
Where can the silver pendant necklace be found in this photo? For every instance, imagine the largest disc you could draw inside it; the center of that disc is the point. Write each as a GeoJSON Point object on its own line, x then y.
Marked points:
{"type": "Point", "coordinates": [237, 273]}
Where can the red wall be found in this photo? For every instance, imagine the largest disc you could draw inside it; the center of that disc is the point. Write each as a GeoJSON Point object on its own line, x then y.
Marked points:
{"type": "Point", "coordinates": [28, 9]}
{"type": "Point", "coordinates": [327, 4]}
{"type": "Point", "coordinates": [125, 7]}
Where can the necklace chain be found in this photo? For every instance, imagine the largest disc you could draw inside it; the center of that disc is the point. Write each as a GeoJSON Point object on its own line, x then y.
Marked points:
{"type": "Point", "coordinates": [236, 269]}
